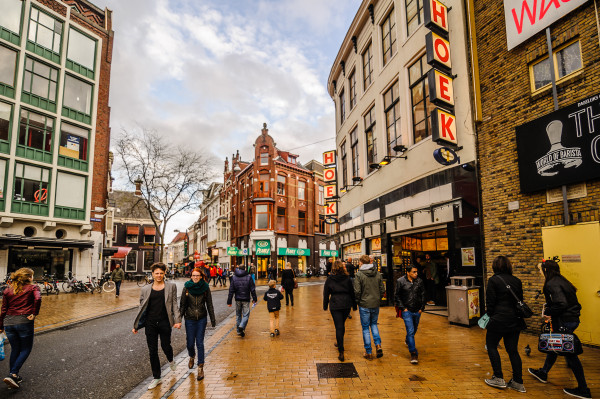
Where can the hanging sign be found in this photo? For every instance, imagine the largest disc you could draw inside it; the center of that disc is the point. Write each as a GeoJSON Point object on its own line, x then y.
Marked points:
{"type": "Point", "coordinates": [331, 191]}
{"type": "Point", "coordinates": [329, 158]}
{"type": "Point", "coordinates": [263, 247]}
{"type": "Point", "coordinates": [436, 17]}
{"type": "Point", "coordinates": [331, 220]}
{"type": "Point", "coordinates": [443, 127]}
{"type": "Point", "coordinates": [441, 91]}
{"type": "Point", "coordinates": [329, 174]}
{"type": "Point", "coordinates": [438, 52]}
{"type": "Point", "coordinates": [326, 253]}
{"type": "Point", "coordinates": [446, 156]}
{"type": "Point", "coordinates": [330, 209]}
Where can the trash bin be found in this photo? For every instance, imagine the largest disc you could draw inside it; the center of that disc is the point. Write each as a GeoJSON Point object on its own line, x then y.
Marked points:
{"type": "Point", "coordinates": [463, 301]}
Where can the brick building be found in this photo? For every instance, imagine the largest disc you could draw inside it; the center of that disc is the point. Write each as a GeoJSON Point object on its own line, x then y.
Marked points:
{"type": "Point", "coordinates": [529, 147]}
{"type": "Point", "coordinates": [275, 208]}
{"type": "Point", "coordinates": [54, 135]}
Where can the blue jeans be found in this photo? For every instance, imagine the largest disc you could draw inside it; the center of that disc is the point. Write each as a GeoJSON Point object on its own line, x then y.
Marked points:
{"type": "Point", "coordinates": [368, 318]}
{"type": "Point", "coordinates": [118, 286]}
{"type": "Point", "coordinates": [242, 312]}
{"type": "Point", "coordinates": [20, 337]}
{"type": "Point", "coordinates": [411, 322]}
{"type": "Point", "coordinates": [194, 331]}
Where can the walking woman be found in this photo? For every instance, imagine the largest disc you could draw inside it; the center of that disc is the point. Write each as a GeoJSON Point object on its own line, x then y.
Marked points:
{"type": "Point", "coordinates": [563, 310]}
{"type": "Point", "coordinates": [338, 294]}
{"type": "Point", "coordinates": [505, 323]}
{"type": "Point", "coordinates": [196, 305]}
{"type": "Point", "coordinates": [288, 281]}
{"type": "Point", "coordinates": [158, 313]}
{"type": "Point", "coordinates": [20, 305]}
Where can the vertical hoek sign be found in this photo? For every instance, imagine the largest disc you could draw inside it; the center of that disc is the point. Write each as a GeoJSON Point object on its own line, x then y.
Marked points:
{"type": "Point", "coordinates": [525, 18]}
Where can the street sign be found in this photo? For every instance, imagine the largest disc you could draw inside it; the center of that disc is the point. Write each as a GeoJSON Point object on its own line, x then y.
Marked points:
{"type": "Point", "coordinates": [95, 220]}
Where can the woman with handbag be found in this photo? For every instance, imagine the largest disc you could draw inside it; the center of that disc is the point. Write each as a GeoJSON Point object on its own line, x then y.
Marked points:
{"type": "Point", "coordinates": [505, 323]}
{"type": "Point", "coordinates": [288, 282]}
{"type": "Point", "coordinates": [563, 310]}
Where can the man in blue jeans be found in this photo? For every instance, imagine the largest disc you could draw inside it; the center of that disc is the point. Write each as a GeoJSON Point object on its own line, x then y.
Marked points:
{"type": "Point", "coordinates": [368, 290]}
{"type": "Point", "coordinates": [410, 300]}
{"type": "Point", "coordinates": [242, 286]}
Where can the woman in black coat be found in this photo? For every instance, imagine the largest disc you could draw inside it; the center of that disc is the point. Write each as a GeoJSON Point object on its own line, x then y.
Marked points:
{"type": "Point", "coordinates": [288, 282]}
{"type": "Point", "coordinates": [338, 294]}
{"type": "Point", "coordinates": [505, 323]}
{"type": "Point", "coordinates": [563, 309]}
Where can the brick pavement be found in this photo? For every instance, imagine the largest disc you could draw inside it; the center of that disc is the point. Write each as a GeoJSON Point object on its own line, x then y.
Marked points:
{"type": "Point", "coordinates": [453, 361]}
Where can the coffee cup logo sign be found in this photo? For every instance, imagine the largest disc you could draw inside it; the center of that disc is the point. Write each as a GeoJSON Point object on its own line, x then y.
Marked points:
{"type": "Point", "coordinates": [560, 148]}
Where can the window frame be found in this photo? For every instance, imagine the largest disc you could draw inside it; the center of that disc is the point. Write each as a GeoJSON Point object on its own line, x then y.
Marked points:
{"type": "Point", "coordinates": [392, 109]}
{"type": "Point", "coordinates": [73, 113]}
{"type": "Point", "coordinates": [263, 184]}
{"type": "Point", "coordinates": [76, 67]}
{"type": "Point", "coordinates": [127, 268]}
{"type": "Point", "coordinates": [146, 251]}
{"type": "Point", "coordinates": [6, 89]}
{"type": "Point", "coordinates": [281, 184]}
{"type": "Point", "coordinates": [280, 215]}
{"type": "Point", "coordinates": [422, 80]}
{"type": "Point", "coordinates": [11, 36]}
{"type": "Point", "coordinates": [304, 220]}
{"type": "Point", "coordinates": [257, 213]}
{"type": "Point", "coordinates": [264, 155]}
{"type": "Point", "coordinates": [370, 138]}
{"type": "Point", "coordinates": [555, 66]}
{"type": "Point", "coordinates": [344, 163]}
{"type": "Point", "coordinates": [420, 15]}
{"type": "Point", "coordinates": [48, 187]}
{"type": "Point", "coordinates": [302, 189]}
{"type": "Point", "coordinates": [354, 155]}
{"type": "Point", "coordinates": [39, 49]}
{"type": "Point", "coordinates": [31, 98]}
{"type": "Point", "coordinates": [352, 89]}
{"type": "Point", "coordinates": [342, 103]}
{"type": "Point", "coordinates": [388, 29]}
{"type": "Point", "coordinates": [367, 66]}
{"type": "Point", "coordinates": [68, 161]}
{"type": "Point", "coordinates": [5, 144]}
{"type": "Point", "coordinates": [132, 239]}
{"type": "Point", "coordinates": [67, 212]}
{"type": "Point", "coordinates": [29, 152]}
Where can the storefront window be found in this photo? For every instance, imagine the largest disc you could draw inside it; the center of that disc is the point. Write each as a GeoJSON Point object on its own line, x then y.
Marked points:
{"type": "Point", "coordinates": [148, 260]}
{"type": "Point", "coordinates": [55, 262]}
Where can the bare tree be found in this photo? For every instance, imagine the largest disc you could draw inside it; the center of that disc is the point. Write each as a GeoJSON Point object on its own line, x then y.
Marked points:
{"type": "Point", "coordinates": [172, 177]}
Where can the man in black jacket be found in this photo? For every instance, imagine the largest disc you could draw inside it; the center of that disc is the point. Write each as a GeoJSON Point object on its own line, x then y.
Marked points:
{"type": "Point", "coordinates": [410, 300]}
{"type": "Point", "coordinates": [242, 286]}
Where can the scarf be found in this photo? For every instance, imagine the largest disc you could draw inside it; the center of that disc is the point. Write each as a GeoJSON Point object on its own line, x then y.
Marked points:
{"type": "Point", "coordinates": [198, 288]}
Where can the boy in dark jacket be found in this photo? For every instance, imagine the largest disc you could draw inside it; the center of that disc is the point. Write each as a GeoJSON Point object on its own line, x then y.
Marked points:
{"type": "Point", "coordinates": [410, 301]}
{"type": "Point", "coordinates": [273, 298]}
{"type": "Point", "coordinates": [242, 286]}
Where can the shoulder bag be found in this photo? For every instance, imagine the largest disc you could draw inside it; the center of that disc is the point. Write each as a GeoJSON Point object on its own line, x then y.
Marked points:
{"type": "Point", "coordinates": [483, 321]}
{"type": "Point", "coordinates": [522, 309]}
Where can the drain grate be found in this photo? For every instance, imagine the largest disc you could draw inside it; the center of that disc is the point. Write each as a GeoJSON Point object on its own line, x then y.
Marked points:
{"type": "Point", "coordinates": [336, 370]}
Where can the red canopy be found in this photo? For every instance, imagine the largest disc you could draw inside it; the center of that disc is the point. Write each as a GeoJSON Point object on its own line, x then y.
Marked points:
{"type": "Point", "coordinates": [121, 253]}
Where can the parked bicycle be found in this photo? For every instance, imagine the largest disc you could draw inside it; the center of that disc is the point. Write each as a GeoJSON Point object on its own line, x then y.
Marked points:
{"type": "Point", "coordinates": [146, 279]}
{"type": "Point", "coordinates": [73, 285]}
{"type": "Point", "coordinates": [92, 285]}
{"type": "Point", "coordinates": [49, 285]}
{"type": "Point", "coordinates": [4, 284]}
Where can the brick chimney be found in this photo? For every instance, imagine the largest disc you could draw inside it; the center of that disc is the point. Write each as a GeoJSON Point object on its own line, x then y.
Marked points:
{"type": "Point", "coordinates": [138, 186]}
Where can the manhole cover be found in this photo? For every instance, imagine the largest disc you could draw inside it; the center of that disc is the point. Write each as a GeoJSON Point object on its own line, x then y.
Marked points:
{"type": "Point", "coordinates": [336, 370]}
{"type": "Point", "coordinates": [417, 378]}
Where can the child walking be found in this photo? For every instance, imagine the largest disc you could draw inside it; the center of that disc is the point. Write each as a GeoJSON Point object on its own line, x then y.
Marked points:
{"type": "Point", "coordinates": [273, 298]}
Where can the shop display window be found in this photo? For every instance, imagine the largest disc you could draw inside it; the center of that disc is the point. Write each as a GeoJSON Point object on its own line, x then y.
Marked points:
{"type": "Point", "coordinates": [42, 261]}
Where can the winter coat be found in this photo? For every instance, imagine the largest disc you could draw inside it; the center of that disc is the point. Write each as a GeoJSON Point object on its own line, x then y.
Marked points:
{"type": "Point", "coordinates": [561, 301]}
{"type": "Point", "coordinates": [117, 275]}
{"type": "Point", "coordinates": [273, 298]}
{"type": "Point", "coordinates": [196, 307]}
{"type": "Point", "coordinates": [28, 302]}
{"type": "Point", "coordinates": [242, 286]}
{"type": "Point", "coordinates": [368, 287]}
{"type": "Point", "coordinates": [287, 279]}
{"type": "Point", "coordinates": [410, 295]}
{"type": "Point", "coordinates": [501, 305]}
{"type": "Point", "coordinates": [338, 293]}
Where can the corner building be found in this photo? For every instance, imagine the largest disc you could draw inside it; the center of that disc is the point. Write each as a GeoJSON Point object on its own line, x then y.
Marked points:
{"type": "Point", "coordinates": [54, 135]}
{"type": "Point", "coordinates": [396, 202]}
{"type": "Point", "coordinates": [528, 150]}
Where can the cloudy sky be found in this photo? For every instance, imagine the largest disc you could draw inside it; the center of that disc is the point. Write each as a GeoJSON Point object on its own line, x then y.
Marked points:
{"type": "Point", "coordinates": [209, 73]}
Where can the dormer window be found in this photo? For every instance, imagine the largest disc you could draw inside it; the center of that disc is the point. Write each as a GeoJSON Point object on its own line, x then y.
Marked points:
{"type": "Point", "coordinates": [293, 160]}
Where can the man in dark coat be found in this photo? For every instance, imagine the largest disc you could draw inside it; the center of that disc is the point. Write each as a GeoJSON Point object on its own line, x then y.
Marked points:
{"type": "Point", "coordinates": [242, 286]}
{"type": "Point", "coordinates": [410, 300]}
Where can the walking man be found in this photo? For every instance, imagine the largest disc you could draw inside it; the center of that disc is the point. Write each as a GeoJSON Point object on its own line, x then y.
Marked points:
{"type": "Point", "coordinates": [242, 286]}
{"type": "Point", "coordinates": [410, 300]}
{"type": "Point", "coordinates": [159, 313]}
{"type": "Point", "coordinates": [117, 275]}
{"type": "Point", "coordinates": [368, 290]}
{"type": "Point", "coordinates": [433, 279]}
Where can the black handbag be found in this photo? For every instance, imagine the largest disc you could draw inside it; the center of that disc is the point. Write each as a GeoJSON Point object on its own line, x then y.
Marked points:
{"type": "Point", "coordinates": [523, 309]}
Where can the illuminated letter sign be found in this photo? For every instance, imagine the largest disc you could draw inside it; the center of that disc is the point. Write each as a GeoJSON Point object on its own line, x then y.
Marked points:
{"type": "Point", "coordinates": [331, 209]}
{"type": "Point", "coordinates": [331, 191]}
{"type": "Point", "coordinates": [443, 126]}
{"type": "Point", "coordinates": [329, 158]}
{"type": "Point", "coordinates": [436, 17]}
{"type": "Point", "coordinates": [329, 174]}
{"type": "Point", "coordinates": [438, 51]}
{"type": "Point", "coordinates": [440, 87]}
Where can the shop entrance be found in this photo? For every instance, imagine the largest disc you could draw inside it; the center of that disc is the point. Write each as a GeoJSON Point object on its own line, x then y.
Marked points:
{"type": "Point", "coordinates": [261, 266]}
{"type": "Point", "coordinates": [41, 261]}
{"type": "Point", "coordinates": [577, 247]}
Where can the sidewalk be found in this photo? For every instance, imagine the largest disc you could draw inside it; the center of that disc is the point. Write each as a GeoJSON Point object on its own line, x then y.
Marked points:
{"type": "Point", "coordinates": [453, 361]}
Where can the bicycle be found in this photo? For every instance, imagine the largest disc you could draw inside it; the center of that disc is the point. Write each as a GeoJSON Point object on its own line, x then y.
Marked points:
{"type": "Point", "coordinates": [49, 285]}
{"type": "Point", "coordinates": [147, 279]}
{"type": "Point", "coordinates": [93, 285]}
{"type": "Point", "coordinates": [4, 285]}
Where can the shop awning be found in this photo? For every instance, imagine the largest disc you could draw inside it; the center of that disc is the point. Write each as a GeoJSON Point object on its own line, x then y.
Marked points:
{"type": "Point", "coordinates": [15, 239]}
{"type": "Point", "coordinates": [121, 252]}
{"type": "Point", "coordinates": [149, 231]}
{"type": "Point", "coordinates": [133, 230]}
{"type": "Point", "coordinates": [109, 251]}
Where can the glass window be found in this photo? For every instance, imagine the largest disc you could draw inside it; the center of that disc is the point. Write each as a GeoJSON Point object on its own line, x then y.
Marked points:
{"type": "Point", "coordinates": [10, 17]}
{"type": "Point", "coordinates": [568, 60]}
{"type": "Point", "coordinates": [321, 195]}
{"type": "Point", "coordinates": [354, 151]}
{"type": "Point", "coordinates": [149, 239]}
{"type": "Point", "coordinates": [5, 117]}
{"type": "Point", "coordinates": [388, 34]}
{"type": "Point", "coordinates": [81, 49]}
{"type": "Point", "coordinates": [31, 183]}
{"type": "Point", "coordinates": [132, 238]}
{"type": "Point", "coordinates": [131, 265]}
{"type": "Point", "coordinates": [371, 138]}
{"type": "Point", "coordinates": [301, 190]}
{"type": "Point", "coordinates": [342, 107]}
{"type": "Point", "coordinates": [280, 185]}
{"type": "Point", "coordinates": [419, 94]}
{"type": "Point", "coordinates": [78, 95]}
{"type": "Point", "coordinates": [249, 189]}
{"type": "Point", "coordinates": [2, 178]}
{"type": "Point", "coordinates": [414, 15]}
{"type": "Point", "coordinates": [281, 219]}
{"type": "Point", "coordinates": [344, 164]}
{"type": "Point", "coordinates": [541, 74]}
{"type": "Point", "coordinates": [264, 158]}
{"type": "Point", "coordinates": [40, 79]}
{"type": "Point", "coordinates": [322, 224]}
{"type": "Point", "coordinates": [73, 142]}
{"type": "Point", "coordinates": [391, 105]}
{"type": "Point", "coordinates": [45, 30]}
{"type": "Point", "coordinates": [70, 190]}
{"type": "Point", "coordinates": [8, 66]}
{"type": "Point", "coordinates": [352, 86]}
{"type": "Point", "coordinates": [148, 260]}
{"type": "Point", "coordinates": [367, 58]}
{"type": "Point", "coordinates": [262, 217]}
{"type": "Point", "coordinates": [301, 222]}
{"type": "Point", "coordinates": [263, 179]}
{"type": "Point", "coordinates": [36, 130]}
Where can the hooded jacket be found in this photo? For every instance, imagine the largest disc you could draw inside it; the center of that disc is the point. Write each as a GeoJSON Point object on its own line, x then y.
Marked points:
{"type": "Point", "coordinates": [561, 301]}
{"type": "Point", "coordinates": [368, 287]}
{"type": "Point", "coordinates": [273, 297]}
{"type": "Point", "coordinates": [242, 286]}
{"type": "Point", "coordinates": [409, 295]}
{"type": "Point", "coordinates": [338, 293]}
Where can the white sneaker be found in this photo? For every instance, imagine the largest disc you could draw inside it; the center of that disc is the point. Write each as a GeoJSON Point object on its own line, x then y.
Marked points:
{"type": "Point", "coordinates": [155, 382]}
{"type": "Point", "coordinates": [173, 366]}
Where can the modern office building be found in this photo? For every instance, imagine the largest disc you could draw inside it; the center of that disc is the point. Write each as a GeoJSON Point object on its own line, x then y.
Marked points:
{"type": "Point", "coordinates": [55, 61]}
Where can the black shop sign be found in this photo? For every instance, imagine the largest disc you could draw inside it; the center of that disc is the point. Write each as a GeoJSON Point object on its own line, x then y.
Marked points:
{"type": "Point", "coordinates": [560, 148]}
